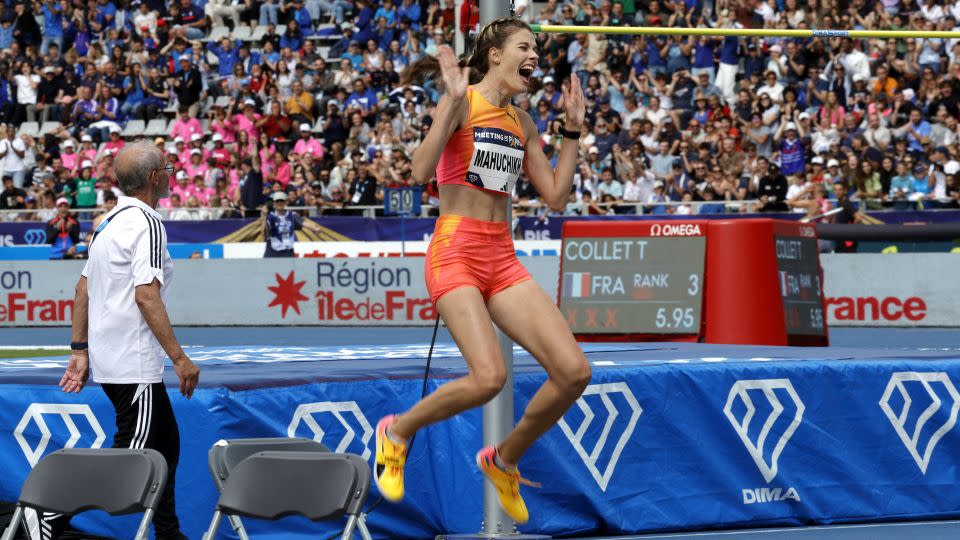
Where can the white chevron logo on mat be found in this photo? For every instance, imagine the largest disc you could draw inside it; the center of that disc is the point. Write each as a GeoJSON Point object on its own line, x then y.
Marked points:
{"type": "Point", "coordinates": [307, 413]}
{"type": "Point", "coordinates": [67, 411]}
{"type": "Point", "coordinates": [576, 438]}
{"type": "Point", "coordinates": [757, 449]}
{"type": "Point", "coordinates": [912, 440]}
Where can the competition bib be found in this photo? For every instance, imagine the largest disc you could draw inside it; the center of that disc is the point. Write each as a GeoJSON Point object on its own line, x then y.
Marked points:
{"type": "Point", "coordinates": [497, 159]}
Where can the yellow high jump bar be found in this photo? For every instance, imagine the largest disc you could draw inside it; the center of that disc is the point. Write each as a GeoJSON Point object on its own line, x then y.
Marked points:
{"type": "Point", "coordinates": [743, 32]}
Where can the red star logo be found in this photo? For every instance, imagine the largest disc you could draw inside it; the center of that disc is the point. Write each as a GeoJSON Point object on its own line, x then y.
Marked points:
{"type": "Point", "coordinates": [287, 294]}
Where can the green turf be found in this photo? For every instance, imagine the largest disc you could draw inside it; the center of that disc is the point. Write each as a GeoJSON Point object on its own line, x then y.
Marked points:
{"type": "Point", "coordinates": [32, 353]}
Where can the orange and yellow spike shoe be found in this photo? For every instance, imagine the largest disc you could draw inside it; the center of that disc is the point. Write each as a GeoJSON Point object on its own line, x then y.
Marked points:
{"type": "Point", "coordinates": [507, 483]}
{"type": "Point", "coordinates": [391, 458]}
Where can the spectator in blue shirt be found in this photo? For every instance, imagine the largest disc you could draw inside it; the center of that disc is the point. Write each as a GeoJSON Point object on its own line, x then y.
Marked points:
{"type": "Point", "coordinates": [710, 208]}
{"type": "Point", "coordinates": [227, 53]}
{"type": "Point", "coordinates": [703, 50]}
{"type": "Point", "coordinates": [915, 130]}
{"type": "Point", "coordinates": [293, 37]}
{"type": "Point", "coordinates": [410, 12]}
{"type": "Point", "coordinates": [362, 97]}
{"type": "Point", "coordinates": [901, 185]}
{"type": "Point", "coordinates": [52, 25]}
{"type": "Point", "coordinates": [103, 18]}
{"type": "Point", "coordinates": [6, 33]}
{"type": "Point", "coordinates": [389, 11]}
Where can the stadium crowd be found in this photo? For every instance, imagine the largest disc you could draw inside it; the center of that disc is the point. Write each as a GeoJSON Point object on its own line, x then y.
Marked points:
{"type": "Point", "coordinates": [306, 97]}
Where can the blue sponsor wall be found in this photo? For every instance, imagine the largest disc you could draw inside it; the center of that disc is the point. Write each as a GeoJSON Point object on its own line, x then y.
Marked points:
{"type": "Point", "coordinates": [666, 437]}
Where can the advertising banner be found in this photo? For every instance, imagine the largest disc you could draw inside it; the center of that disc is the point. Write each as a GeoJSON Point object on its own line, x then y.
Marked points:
{"type": "Point", "coordinates": [339, 291]}
{"type": "Point", "coordinates": [347, 287]}
{"type": "Point", "coordinates": [918, 289]}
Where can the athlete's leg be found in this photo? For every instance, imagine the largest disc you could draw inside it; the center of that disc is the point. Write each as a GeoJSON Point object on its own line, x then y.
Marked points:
{"type": "Point", "coordinates": [531, 318]}
{"type": "Point", "coordinates": [466, 317]}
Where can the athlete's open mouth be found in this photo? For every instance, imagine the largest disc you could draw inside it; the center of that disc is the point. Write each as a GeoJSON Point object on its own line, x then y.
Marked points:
{"type": "Point", "coordinates": [525, 73]}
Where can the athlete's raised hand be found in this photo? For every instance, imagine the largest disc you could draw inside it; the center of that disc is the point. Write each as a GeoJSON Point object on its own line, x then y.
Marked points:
{"type": "Point", "coordinates": [573, 103]}
{"type": "Point", "coordinates": [455, 78]}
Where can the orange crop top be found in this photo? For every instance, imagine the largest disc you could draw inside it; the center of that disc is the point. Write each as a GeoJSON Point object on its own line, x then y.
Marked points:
{"type": "Point", "coordinates": [487, 152]}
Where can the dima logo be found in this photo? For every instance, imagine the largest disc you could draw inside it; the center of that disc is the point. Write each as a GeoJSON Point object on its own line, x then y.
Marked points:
{"type": "Point", "coordinates": [307, 413]}
{"type": "Point", "coordinates": [591, 458]}
{"type": "Point", "coordinates": [37, 412]}
{"type": "Point", "coordinates": [756, 444]}
{"type": "Point", "coordinates": [912, 388]}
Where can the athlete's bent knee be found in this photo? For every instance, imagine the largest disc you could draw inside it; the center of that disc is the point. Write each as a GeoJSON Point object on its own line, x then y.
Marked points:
{"type": "Point", "coordinates": [488, 385]}
{"type": "Point", "coordinates": [575, 378]}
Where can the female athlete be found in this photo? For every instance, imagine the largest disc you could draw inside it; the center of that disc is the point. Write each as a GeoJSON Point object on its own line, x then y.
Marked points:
{"type": "Point", "coordinates": [477, 146]}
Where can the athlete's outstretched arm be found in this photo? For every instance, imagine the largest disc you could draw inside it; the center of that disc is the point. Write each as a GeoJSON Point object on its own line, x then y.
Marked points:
{"type": "Point", "coordinates": [554, 185]}
{"type": "Point", "coordinates": [450, 112]}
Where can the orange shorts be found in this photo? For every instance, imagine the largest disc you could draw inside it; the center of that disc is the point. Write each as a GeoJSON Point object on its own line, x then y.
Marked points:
{"type": "Point", "coordinates": [470, 252]}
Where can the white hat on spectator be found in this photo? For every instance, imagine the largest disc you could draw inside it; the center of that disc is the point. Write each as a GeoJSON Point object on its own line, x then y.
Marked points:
{"type": "Point", "coordinates": [594, 150]}
{"type": "Point", "coordinates": [776, 48]}
{"type": "Point", "coordinates": [250, 102]}
{"type": "Point", "coordinates": [548, 79]}
{"type": "Point", "coordinates": [178, 140]}
{"type": "Point", "coordinates": [346, 25]}
{"type": "Point", "coordinates": [63, 200]}
{"type": "Point", "coordinates": [69, 143]}
{"type": "Point", "coordinates": [859, 77]}
{"type": "Point", "coordinates": [86, 165]}
{"type": "Point", "coordinates": [658, 183]}
{"type": "Point", "coordinates": [217, 137]}
{"type": "Point", "coordinates": [195, 152]}
{"type": "Point", "coordinates": [181, 175]}
{"type": "Point", "coordinates": [833, 163]}
{"type": "Point", "coordinates": [114, 129]}
{"type": "Point", "coordinates": [790, 125]}
{"type": "Point", "coordinates": [49, 69]}
{"type": "Point", "coordinates": [817, 160]}
{"type": "Point", "coordinates": [196, 137]}
{"type": "Point", "coordinates": [951, 167]}
{"type": "Point", "coordinates": [279, 196]}
{"type": "Point", "coordinates": [86, 138]}
{"type": "Point", "coordinates": [908, 94]}
{"type": "Point", "coordinates": [804, 116]}
{"type": "Point", "coordinates": [304, 127]}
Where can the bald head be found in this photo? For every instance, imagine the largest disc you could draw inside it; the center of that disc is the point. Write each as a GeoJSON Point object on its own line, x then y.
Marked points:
{"type": "Point", "coordinates": [134, 164]}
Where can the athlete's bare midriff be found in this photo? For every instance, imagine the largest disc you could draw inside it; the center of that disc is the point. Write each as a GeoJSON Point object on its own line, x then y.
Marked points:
{"type": "Point", "coordinates": [471, 202]}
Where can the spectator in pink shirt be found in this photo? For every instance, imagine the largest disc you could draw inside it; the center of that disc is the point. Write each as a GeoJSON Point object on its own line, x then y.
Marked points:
{"type": "Point", "coordinates": [247, 120]}
{"type": "Point", "coordinates": [185, 126]}
{"type": "Point", "coordinates": [307, 143]}
{"type": "Point", "coordinates": [201, 191]}
{"type": "Point", "coordinates": [115, 144]}
{"type": "Point", "coordinates": [266, 151]}
{"type": "Point", "coordinates": [196, 143]}
{"type": "Point", "coordinates": [223, 126]}
{"type": "Point", "coordinates": [279, 170]}
{"type": "Point", "coordinates": [69, 157]}
{"type": "Point", "coordinates": [196, 165]}
{"type": "Point", "coordinates": [220, 154]}
{"type": "Point", "coordinates": [183, 189]}
{"type": "Point", "coordinates": [181, 150]}
{"type": "Point", "coordinates": [87, 151]}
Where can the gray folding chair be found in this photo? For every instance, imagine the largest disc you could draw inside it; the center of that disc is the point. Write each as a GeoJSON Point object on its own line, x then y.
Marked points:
{"type": "Point", "coordinates": [225, 455]}
{"type": "Point", "coordinates": [116, 480]}
{"type": "Point", "coordinates": [317, 485]}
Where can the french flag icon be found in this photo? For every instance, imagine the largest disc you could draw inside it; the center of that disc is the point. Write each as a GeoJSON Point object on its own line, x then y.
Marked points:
{"type": "Point", "coordinates": [576, 284]}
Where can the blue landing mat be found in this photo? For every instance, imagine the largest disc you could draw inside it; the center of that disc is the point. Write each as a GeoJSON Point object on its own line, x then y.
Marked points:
{"type": "Point", "coordinates": [667, 437]}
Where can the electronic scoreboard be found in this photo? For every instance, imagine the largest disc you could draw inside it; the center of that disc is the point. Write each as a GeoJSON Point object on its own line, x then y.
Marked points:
{"type": "Point", "coordinates": [744, 281]}
{"type": "Point", "coordinates": [633, 278]}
